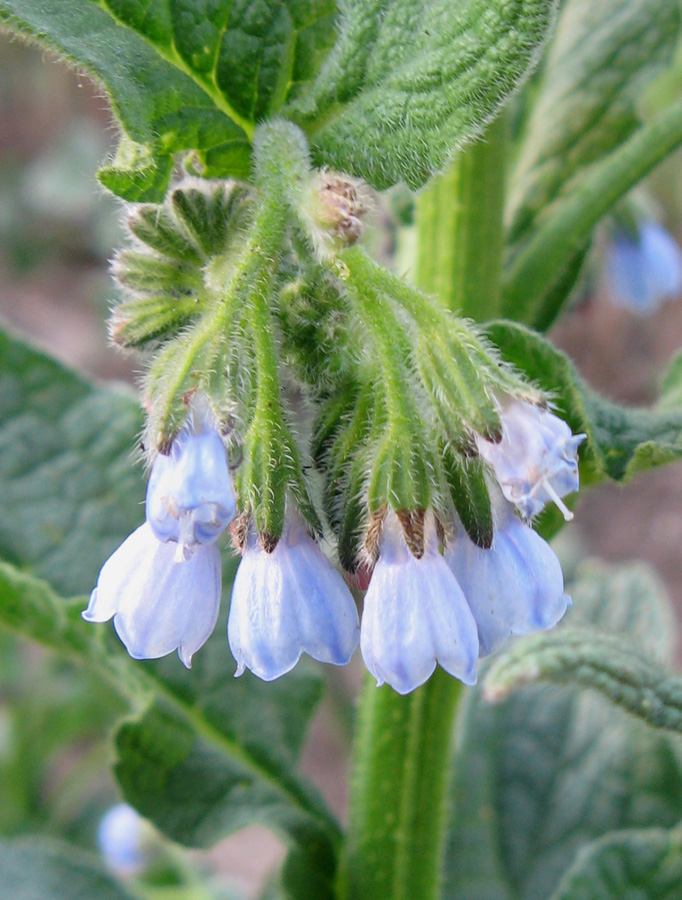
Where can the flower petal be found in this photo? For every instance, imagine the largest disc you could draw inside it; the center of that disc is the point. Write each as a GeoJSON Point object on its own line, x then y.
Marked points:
{"type": "Point", "coordinates": [414, 616]}
{"type": "Point", "coordinates": [536, 462]}
{"type": "Point", "coordinates": [190, 498]}
{"type": "Point", "coordinates": [158, 604]}
{"type": "Point", "coordinates": [286, 602]}
{"type": "Point", "coordinates": [514, 587]}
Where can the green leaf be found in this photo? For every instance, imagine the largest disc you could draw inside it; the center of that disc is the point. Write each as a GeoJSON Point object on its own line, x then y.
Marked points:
{"type": "Point", "coordinates": [190, 75]}
{"type": "Point", "coordinates": [620, 441]}
{"type": "Point", "coordinates": [135, 173]}
{"type": "Point", "coordinates": [602, 57]}
{"type": "Point", "coordinates": [544, 773]}
{"type": "Point", "coordinates": [408, 82]}
{"type": "Point", "coordinates": [47, 870]}
{"type": "Point", "coordinates": [630, 865]}
{"type": "Point", "coordinates": [69, 490]}
{"type": "Point", "coordinates": [204, 753]}
{"type": "Point", "coordinates": [609, 664]}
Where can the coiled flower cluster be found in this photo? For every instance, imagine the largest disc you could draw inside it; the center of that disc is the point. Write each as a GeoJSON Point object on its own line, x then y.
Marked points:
{"type": "Point", "coordinates": [296, 389]}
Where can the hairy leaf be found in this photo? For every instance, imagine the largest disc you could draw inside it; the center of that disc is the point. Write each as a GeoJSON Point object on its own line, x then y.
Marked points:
{"type": "Point", "coordinates": [185, 75]}
{"type": "Point", "coordinates": [628, 865]}
{"type": "Point", "coordinates": [601, 58]}
{"type": "Point", "coordinates": [620, 441]}
{"type": "Point", "coordinates": [203, 753]}
{"type": "Point", "coordinates": [35, 869]}
{"type": "Point", "coordinates": [408, 82]}
{"type": "Point", "coordinates": [69, 489]}
{"type": "Point", "coordinates": [544, 773]}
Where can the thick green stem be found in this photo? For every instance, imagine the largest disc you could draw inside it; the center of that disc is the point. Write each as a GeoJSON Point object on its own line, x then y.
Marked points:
{"type": "Point", "coordinates": [403, 746]}
{"type": "Point", "coordinates": [460, 228]}
{"type": "Point", "coordinates": [396, 830]}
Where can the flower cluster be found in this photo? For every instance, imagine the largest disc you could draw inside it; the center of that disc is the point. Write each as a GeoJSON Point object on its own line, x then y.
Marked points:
{"type": "Point", "coordinates": [422, 607]}
{"type": "Point", "coordinates": [430, 455]}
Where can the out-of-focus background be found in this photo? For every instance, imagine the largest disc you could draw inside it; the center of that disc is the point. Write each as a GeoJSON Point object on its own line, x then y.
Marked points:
{"type": "Point", "coordinates": [57, 231]}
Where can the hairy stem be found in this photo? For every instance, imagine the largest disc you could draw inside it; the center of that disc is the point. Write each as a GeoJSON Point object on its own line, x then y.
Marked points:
{"type": "Point", "coordinates": [396, 830]}
{"type": "Point", "coordinates": [460, 228]}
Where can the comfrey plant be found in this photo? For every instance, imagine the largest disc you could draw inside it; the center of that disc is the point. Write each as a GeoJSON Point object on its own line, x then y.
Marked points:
{"type": "Point", "coordinates": [388, 456]}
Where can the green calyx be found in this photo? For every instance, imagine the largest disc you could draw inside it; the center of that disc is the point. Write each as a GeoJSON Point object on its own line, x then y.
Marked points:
{"type": "Point", "coordinates": [232, 291]}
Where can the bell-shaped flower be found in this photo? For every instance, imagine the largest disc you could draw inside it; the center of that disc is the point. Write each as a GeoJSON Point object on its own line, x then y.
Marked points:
{"type": "Point", "coordinates": [536, 462]}
{"type": "Point", "coordinates": [415, 615]}
{"type": "Point", "coordinates": [289, 601]}
{"type": "Point", "coordinates": [514, 587]}
{"type": "Point", "coordinates": [190, 499]}
{"type": "Point", "coordinates": [158, 604]}
{"type": "Point", "coordinates": [644, 269]}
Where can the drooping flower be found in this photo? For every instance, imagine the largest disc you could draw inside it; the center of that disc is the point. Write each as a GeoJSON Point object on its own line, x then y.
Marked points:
{"type": "Point", "coordinates": [287, 602]}
{"type": "Point", "coordinates": [415, 614]}
{"type": "Point", "coordinates": [190, 499]}
{"type": "Point", "coordinates": [536, 462]}
{"type": "Point", "coordinates": [514, 587]}
{"type": "Point", "coordinates": [122, 837]}
{"type": "Point", "coordinates": [158, 604]}
{"type": "Point", "coordinates": [644, 269]}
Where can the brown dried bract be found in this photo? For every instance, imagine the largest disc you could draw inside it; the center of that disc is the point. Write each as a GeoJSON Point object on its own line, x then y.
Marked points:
{"type": "Point", "coordinates": [412, 521]}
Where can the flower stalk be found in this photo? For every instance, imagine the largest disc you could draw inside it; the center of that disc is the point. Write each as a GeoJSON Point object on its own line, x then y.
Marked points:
{"type": "Point", "coordinates": [403, 744]}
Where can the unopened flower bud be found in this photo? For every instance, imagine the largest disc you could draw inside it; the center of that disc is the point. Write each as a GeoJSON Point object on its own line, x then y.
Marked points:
{"type": "Point", "coordinates": [190, 499]}
{"type": "Point", "coordinates": [536, 461]}
{"type": "Point", "coordinates": [334, 209]}
{"type": "Point", "coordinates": [122, 837]}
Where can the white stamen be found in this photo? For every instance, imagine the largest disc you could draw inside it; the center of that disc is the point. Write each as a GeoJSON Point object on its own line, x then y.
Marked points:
{"type": "Point", "coordinates": [563, 509]}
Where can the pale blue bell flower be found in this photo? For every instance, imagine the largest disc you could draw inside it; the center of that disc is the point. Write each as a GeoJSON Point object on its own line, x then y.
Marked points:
{"type": "Point", "coordinates": [158, 604]}
{"type": "Point", "coordinates": [536, 462]}
{"type": "Point", "coordinates": [415, 615]}
{"type": "Point", "coordinates": [121, 837]}
{"type": "Point", "coordinates": [514, 587]}
{"type": "Point", "coordinates": [645, 270]}
{"type": "Point", "coordinates": [287, 602]}
{"type": "Point", "coordinates": [190, 499]}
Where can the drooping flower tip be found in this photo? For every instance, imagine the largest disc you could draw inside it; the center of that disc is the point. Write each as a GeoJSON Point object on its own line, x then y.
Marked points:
{"type": "Point", "coordinates": [190, 499]}
{"type": "Point", "coordinates": [514, 587]}
{"type": "Point", "coordinates": [536, 462]}
{"type": "Point", "coordinates": [158, 604]}
{"type": "Point", "coordinates": [415, 615]}
{"type": "Point", "coordinates": [288, 602]}
{"type": "Point", "coordinates": [643, 270]}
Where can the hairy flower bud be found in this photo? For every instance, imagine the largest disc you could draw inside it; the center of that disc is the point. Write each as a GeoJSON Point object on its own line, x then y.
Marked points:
{"type": "Point", "coordinates": [190, 499]}
{"type": "Point", "coordinates": [334, 210]}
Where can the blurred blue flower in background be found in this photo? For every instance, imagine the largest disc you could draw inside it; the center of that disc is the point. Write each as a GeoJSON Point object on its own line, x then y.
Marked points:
{"type": "Point", "coordinates": [643, 269]}
{"type": "Point", "coordinates": [122, 839]}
